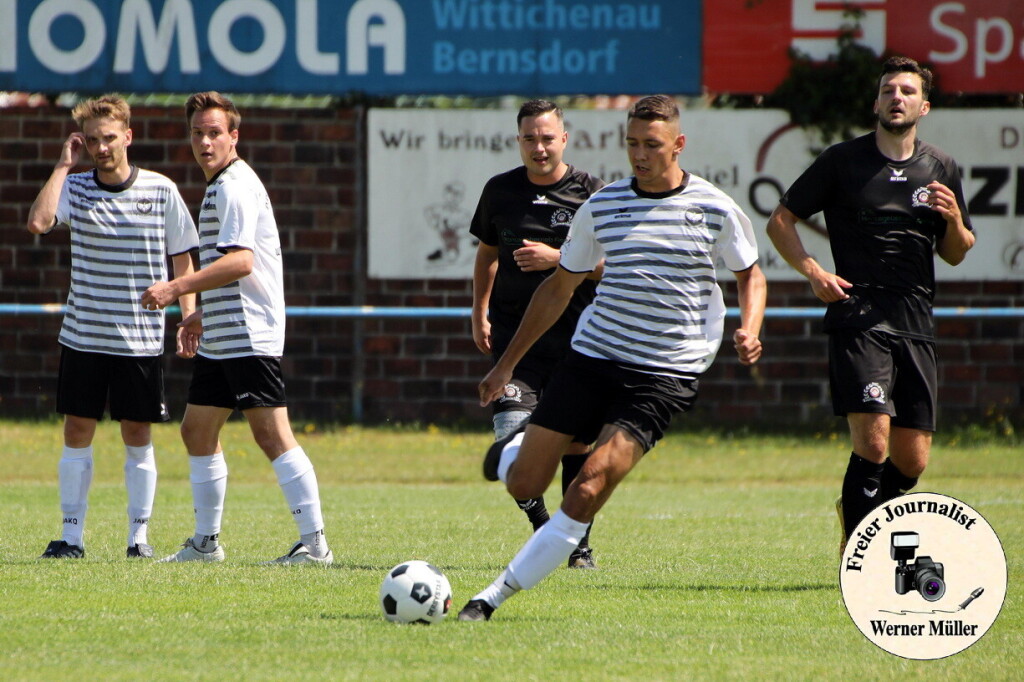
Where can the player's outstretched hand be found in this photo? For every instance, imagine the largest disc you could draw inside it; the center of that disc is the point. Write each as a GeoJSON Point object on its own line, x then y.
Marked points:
{"type": "Point", "coordinates": [535, 256]}
{"type": "Point", "coordinates": [493, 385]}
{"type": "Point", "coordinates": [748, 346]}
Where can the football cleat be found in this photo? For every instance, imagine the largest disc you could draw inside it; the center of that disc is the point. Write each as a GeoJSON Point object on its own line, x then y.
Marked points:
{"type": "Point", "coordinates": [139, 551]}
{"type": "Point", "coordinates": [299, 555]}
{"type": "Point", "coordinates": [188, 552]}
{"type": "Point", "coordinates": [476, 609]}
{"type": "Point", "coordinates": [842, 527]}
{"type": "Point", "coordinates": [582, 557]}
{"type": "Point", "coordinates": [493, 457]}
{"type": "Point", "coordinates": [58, 549]}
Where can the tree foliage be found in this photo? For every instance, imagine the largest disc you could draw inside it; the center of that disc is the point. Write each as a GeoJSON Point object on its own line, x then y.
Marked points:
{"type": "Point", "coordinates": [834, 96]}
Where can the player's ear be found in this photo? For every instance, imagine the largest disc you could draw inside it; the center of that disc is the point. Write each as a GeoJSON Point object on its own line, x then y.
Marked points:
{"type": "Point", "coordinates": [234, 137]}
{"type": "Point", "coordinates": [680, 144]}
{"type": "Point", "coordinates": [926, 106]}
{"type": "Point", "coordinates": [127, 137]}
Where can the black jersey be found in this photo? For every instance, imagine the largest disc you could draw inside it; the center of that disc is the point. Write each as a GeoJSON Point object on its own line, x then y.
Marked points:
{"type": "Point", "coordinates": [512, 209]}
{"type": "Point", "coordinates": [881, 231]}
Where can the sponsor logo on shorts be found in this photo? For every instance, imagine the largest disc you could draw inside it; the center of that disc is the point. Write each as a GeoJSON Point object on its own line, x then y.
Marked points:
{"type": "Point", "coordinates": [243, 396]}
{"type": "Point", "coordinates": [512, 393]}
{"type": "Point", "coordinates": [874, 393]}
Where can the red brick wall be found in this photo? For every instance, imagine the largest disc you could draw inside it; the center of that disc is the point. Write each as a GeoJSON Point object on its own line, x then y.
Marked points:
{"type": "Point", "coordinates": [412, 369]}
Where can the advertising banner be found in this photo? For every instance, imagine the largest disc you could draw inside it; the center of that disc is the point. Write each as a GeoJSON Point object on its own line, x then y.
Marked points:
{"type": "Point", "coordinates": [379, 47]}
{"type": "Point", "coordinates": [975, 46]}
{"type": "Point", "coordinates": [427, 168]}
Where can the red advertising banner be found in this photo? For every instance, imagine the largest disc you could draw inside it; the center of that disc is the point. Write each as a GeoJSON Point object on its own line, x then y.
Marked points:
{"type": "Point", "coordinates": [974, 46]}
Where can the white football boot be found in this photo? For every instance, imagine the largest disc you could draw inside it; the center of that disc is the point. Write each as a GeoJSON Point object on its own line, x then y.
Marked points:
{"type": "Point", "coordinates": [188, 552]}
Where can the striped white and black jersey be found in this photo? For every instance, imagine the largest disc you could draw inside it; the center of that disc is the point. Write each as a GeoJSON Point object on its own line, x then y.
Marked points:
{"type": "Point", "coordinates": [120, 239]}
{"type": "Point", "coordinates": [658, 306]}
{"type": "Point", "coordinates": [245, 317]}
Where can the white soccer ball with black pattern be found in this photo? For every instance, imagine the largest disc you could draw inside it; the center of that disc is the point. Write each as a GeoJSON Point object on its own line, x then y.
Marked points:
{"type": "Point", "coordinates": [415, 592]}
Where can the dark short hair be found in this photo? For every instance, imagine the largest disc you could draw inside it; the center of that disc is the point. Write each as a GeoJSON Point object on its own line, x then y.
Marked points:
{"type": "Point", "coordinates": [907, 65]}
{"type": "Point", "coordinates": [536, 107]}
{"type": "Point", "coordinates": [201, 101]}
{"type": "Point", "coordinates": [655, 108]}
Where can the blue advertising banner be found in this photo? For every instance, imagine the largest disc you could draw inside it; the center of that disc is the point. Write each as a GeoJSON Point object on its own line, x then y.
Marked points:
{"type": "Point", "coordinates": [378, 47]}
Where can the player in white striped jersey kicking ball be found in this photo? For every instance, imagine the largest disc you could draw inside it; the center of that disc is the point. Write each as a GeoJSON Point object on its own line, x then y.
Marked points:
{"type": "Point", "coordinates": [124, 221]}
{"type": "Point", "coordinates": [639, 348]}
{"type": "Point", "coordinates": [240, 332]}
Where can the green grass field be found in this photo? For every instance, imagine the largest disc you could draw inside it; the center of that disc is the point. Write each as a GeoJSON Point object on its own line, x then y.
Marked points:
{"type": "Point", "coordinates": [717, 561]}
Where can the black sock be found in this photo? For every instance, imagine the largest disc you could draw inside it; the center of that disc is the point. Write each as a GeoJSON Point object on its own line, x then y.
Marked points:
{"type": "Point", "coordinates": [535, 511]}
{"type": "Point", "coordinates": [894, 482]}
{"type": "Point", "coordinates": [860, 490]}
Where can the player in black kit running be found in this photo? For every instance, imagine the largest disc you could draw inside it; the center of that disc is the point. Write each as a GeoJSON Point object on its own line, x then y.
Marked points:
{"type": "Point", "coordinates": [889, 201]}
{"type": "Point", "coordinates": [521, 220]}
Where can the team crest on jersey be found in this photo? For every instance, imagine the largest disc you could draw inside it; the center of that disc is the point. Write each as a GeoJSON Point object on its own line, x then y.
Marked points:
{"type": "Point", "coordinates": [874, 393]}
{"type": "Point", "coordinates": [144, 206]}
{"type": "Point", "coordinates": [512, 393]}
{"type": "Point", "coordinates": [694, 215]}
{"type": "Point", "coordinates": [562, 217]}
{"type": "Point", "coordinates": [920, 197]}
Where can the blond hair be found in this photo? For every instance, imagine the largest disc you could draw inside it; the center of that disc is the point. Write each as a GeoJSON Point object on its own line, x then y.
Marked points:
{"type": "Point", "coordinates": [107, 106]}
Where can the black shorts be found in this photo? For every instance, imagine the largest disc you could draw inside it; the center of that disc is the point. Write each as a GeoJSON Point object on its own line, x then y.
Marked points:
{"type": "Point", "coordinates": [134, 386]}
{"type": "Point", "coordinates": [586, 393]}
{"type": "Point", "coordinates": [237, 383]}
{"type": "Point", "coordinates": [880, 373]}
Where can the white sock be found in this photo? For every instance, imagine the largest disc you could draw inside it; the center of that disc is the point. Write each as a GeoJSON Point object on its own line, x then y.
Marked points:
{"type": "Point", "coordinates": [75, 474]}
{"type": "Point", "coordinates": [508, 455]}
{"type": "Point", "coordinates": [549, 548]}
{"type": "Point", "coordinates": [209, 477]}
{"type": "Point", "coordinates": [140, 481]}
{"type": "Point", "coordinates": [501, 589]}
{"type": "Point", "coordinates": [297, 479]}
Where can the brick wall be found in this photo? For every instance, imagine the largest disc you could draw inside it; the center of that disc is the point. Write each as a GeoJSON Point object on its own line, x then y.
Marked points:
{"type": "Point", "coordinates": [412, 369]}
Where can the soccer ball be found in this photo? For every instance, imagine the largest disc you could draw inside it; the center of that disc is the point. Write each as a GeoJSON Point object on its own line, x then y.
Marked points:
{"type": "Point", "coordinates": [415, 592]}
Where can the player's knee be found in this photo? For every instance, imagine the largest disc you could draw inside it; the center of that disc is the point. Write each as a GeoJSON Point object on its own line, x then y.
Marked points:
{"type": "Point", "coordinates": [588, 489]}
{"type": "Point", "coordinates": [135, 433]}
{"type": "Point", "coordinates": [522, 486]}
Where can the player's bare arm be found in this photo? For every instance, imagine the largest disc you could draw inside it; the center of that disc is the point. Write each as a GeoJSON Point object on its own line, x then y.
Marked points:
{"type": "Point", "coordinates": [232, 266]}
{"type": "Point", "coordinates": [752, 289]}
{"type": "Point", "coordinates": [485, 268]}
{"type": "Point", "coordinates": [827, 286]}
{"type": "Point", "coordinates": [546, 306]}
{"type": "Point", "coordinates": [186, 344]}
{"type": "Point", "coordinates": [42, 215]}
{"type": "Point", "coordinates": [958, 240]}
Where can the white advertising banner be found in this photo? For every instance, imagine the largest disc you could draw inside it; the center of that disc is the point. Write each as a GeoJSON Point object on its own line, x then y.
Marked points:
{"type": "Point", "coordinates": [428, 166]}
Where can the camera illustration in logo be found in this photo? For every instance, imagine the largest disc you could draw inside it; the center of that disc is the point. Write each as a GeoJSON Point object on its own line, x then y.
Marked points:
{"type": "Point", "coordinates": [924, 575]}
